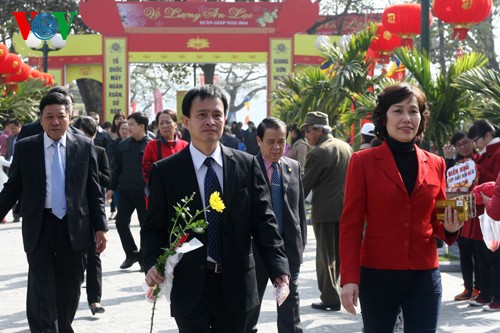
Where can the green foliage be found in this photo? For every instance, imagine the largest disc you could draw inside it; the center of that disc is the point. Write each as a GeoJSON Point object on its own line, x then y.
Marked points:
{"type": "Point", "coordinates": [448, 104]}
{"type": "Point", "coordinates": [330, 92]}
{"type": "Point", "coordinates": [482, 85]}
{"type": "Point", "coordinates": [23, 105]}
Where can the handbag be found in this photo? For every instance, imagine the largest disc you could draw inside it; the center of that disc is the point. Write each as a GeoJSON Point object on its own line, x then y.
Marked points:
{"type": "Point", "coordinates": [491, 231]}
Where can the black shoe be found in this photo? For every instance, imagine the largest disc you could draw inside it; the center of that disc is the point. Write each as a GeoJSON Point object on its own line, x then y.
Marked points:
{"type": "Point", "coordinates": [16, 219]}
{"type": "Point", "coordinates": [325, 307]}
{"type": "Point", "coordinates": [129, 261]}
{"type": "Point", "coordinates": [96, 309]}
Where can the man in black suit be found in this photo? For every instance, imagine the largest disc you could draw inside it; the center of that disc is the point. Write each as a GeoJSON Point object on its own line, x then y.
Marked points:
{"type": "Point", "coordinates": [213, 291]}
{"type": "Point", "coordinates": [285, 183]}
{"type": "Point", "coordinates": [56, 172]}
{"type": "Point", "coordinates": [35, 127]}
{"type": "Point", "coordinates": [14, 126]}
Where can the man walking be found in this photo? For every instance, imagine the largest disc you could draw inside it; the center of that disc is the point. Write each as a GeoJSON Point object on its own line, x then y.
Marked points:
{"type": "Point", "coordinates": [214, 286]}
{"type": "Point", "coordinates": [324, 174]}
{"type": "Point", "coordinates": [283, 176]}
{"type": "Point", "coordinates": [127, 178]}
{"type": "Point", "coordinates": [56, 173]}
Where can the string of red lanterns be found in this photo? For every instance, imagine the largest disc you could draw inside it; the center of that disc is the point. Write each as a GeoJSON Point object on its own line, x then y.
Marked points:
{"type": "Point", "coordinates": [404, 20]}
{"type": "Point", "coordinates": [13, 71]}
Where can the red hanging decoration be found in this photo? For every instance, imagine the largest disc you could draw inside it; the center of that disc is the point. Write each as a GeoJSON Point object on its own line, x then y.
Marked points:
{"type": "Point", "coordinates": [462, 14]}
{"type": "Point", "coordinates": [384, 43]}
{"type": "Point", "coordinates": [404, 20]}
{"type": "Point", "coordinates": [11, 64]}
{"type": "Point", "coordinates": [3, 52]}
{"type": "Point", "coordinates": [21, 75]}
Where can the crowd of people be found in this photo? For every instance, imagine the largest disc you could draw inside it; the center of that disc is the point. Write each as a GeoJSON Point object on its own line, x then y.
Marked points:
{"type": "Point", "coordinates": [373, 210]}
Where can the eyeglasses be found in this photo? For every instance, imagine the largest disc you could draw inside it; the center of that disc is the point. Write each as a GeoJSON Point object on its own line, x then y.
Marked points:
{"type": "Point", "coordinates": [462, 144]}
{"type": "Point", "coordinates": [309, 129]}
{"type": "Point", "coordinates": [475, 140]}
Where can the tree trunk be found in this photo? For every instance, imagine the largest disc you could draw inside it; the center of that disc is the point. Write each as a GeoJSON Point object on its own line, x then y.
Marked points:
{"type": "Point", "coordinates": [91, 92]}
{"type": "Point", "coordinates": [209, 72]}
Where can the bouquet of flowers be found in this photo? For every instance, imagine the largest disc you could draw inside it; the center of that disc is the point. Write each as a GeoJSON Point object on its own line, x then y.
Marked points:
{"type": "Point", "coordinates": [178, 246]}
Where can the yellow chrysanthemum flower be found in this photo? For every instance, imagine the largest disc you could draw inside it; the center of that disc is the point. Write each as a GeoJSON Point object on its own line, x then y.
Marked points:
{"type": "Point", "coordinates": [216, 202]}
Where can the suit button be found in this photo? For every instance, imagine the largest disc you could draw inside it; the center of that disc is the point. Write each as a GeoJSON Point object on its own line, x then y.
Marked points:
{"type": "Point", "coordinates": [406, 243]}
{"type": "Point", "coordinates": [406, 225]}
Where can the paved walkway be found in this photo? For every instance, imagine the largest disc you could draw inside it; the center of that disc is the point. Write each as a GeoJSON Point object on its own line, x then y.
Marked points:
{"type": "Point", "coordinates": [127, 311]}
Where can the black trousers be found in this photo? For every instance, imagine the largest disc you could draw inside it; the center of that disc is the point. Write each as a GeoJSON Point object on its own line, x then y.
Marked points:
{"type": "Point", "coordinates": [54, 279]}
{"type": "Point", "coordinates": [288, 313]}
{"type": "Point", "coordinates": [489, 263]}
{"type": "Point", "coordinates": [211, 314]}
{"type": "Point", "coordinates": [469, 263]}
{"type": "Point", "coordinates": [383, 292]}
{"type": "Point", "coordinates": [94, 275]}
{"type": "Point", "coordinates": [126, 206]}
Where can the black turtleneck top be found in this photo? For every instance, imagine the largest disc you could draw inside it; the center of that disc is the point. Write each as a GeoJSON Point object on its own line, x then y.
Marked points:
{"type": "Point", "coordinates": [406, 160]}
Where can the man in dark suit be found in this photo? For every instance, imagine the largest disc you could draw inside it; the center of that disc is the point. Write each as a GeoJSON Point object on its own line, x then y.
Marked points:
{"type": "Point", "coordinates": [35, 127]}
{"type": "Point", "coordinates": [56, 172]}
{"type": "Point", "coordinates": [283, 178]}
{"type": "Point", "coordinates": [14, 127]}
{"type": "Point", "coordinates": [213, 291]}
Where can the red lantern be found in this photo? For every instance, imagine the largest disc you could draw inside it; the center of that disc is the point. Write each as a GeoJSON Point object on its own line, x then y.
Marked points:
{"type": "Point", "coordinates": [35, 74]}
{"type": "Point", "coordinates": [11, 64]}
{"type": "Point", "coordinates": [462, 14]}
{"type": "Point", "coordinates": [3, 52]}
{"type": "Point", "coordinates": [384, 42]}
{"type": "Point", "coordinates": [404, 20]}
{"type": "Point", "coordinates": [21, 75]}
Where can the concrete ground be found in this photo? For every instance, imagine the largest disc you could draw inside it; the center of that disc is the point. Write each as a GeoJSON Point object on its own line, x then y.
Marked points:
{"type": "Point", "coordinates": [127, 310]}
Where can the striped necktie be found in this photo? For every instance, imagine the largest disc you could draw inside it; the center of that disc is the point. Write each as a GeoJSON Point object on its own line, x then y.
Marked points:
{"type": "Point", "coordinates": [277, 196]}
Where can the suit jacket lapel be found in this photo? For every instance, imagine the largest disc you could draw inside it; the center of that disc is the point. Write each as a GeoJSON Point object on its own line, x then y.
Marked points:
{"type": "Point", "coordinates": [423, 168]}
{"type": "Point", "coordinates": [71, 154]}
{"type": "Point", "coordinates": [229, 171]}
{"type": "Point", "coordinates": [385, 161]}
{"type": "Point", "coordinates": [285, 175]}
{"type": "Point", "coordinates": [40, 156]}
{"type": "Point", "coordinates": [263, 167]}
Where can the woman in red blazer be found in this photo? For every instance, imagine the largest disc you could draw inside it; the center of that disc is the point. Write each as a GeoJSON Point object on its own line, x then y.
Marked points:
{"type": "Point", "coordinates": [392, 189]}
{"type": "Point", "coordinates": [486, 138]}
{"type": "Point", "coordinates": [167, 143]}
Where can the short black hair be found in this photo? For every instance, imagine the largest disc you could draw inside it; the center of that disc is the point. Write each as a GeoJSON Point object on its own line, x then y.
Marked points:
{"type": "Point", "coordinates": [55, 98]}
{"type": "Point", "coordinates": [457, 136]}
{"type": "Point", "coordinates": [13, 121]}
{"type": "Point", "coordinates": [203, 91]}
{"type": "Point", "coordinates": [480, 128]}
{"type": "Point", "coordinates": [141, 119]}
{"type": "Point", "coordinates": [270, 122]}
{"type": "Point", "coordinates": [395, 94]}
{"type": "Point", "coordinates": [63, 91]}
{"type": "Point", "coordinates": [87, 125]}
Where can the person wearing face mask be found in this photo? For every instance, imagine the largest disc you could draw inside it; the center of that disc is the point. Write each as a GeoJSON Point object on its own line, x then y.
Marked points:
{"type": "Point", "coordinates": [486, 138]}
{"type": "Point", "coordinates": [388, 255]}
{"type": "Point", "coordinates": [167, 143]}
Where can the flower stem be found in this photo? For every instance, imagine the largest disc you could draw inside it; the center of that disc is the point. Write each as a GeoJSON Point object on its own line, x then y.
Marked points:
{"type": "Point", "coordinates": [153, 315]}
